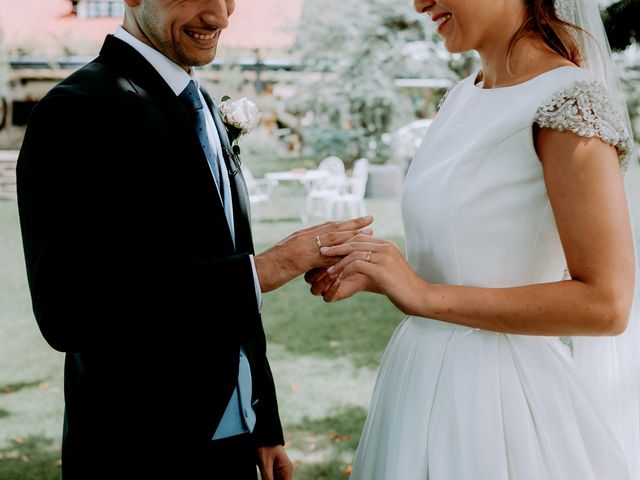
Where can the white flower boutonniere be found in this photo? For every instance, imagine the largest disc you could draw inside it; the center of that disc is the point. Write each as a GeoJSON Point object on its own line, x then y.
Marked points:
{"type": "Point", "coordinates": [240, 116]}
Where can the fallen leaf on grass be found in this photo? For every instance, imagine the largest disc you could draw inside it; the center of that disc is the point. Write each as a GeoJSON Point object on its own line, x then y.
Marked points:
{"type": "Point", "coordinates": [339, 438]}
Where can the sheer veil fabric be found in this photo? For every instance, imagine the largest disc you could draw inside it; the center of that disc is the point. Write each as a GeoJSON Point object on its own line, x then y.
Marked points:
{"type": "Point", "coordinates": [612, 363]}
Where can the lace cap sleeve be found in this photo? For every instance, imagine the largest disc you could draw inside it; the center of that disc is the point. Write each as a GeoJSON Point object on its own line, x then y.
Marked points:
{"type": "Point", "coordinates": [586, 109]}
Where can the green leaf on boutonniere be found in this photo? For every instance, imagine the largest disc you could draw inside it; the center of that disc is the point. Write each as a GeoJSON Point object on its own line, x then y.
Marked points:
{"type": "Point", "coordinates": [225, 98]}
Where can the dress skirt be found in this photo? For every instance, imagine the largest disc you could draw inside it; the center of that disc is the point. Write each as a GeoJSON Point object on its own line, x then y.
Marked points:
{"type": "Point", "coordinates": [454, 403]}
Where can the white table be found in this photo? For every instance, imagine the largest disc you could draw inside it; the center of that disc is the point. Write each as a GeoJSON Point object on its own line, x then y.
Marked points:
{"type": "Point", "coordinates": [304, 177]}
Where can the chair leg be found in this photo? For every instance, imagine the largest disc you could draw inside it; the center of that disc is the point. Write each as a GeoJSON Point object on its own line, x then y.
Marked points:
{"type": "Point", "coordinates": [352, 209]}
{"type": "Point", "coordinates": [329, 205]}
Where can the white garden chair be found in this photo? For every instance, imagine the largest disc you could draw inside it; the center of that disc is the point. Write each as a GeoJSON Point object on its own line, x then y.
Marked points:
{"type": "Point", "coordinates": [321, 190]}
{"type": "Point", "coordinates": [351, 199]}
{"type": "Point", "coordinates": [259, 190]}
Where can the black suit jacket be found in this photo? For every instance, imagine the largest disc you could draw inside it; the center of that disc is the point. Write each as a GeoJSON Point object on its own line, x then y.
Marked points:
{"type": "Point", "coordinates": [131, 265]}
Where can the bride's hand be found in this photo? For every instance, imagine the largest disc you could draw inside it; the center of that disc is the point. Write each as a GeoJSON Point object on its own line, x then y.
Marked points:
{"type": "Point", "coordinates": [323, 282]}
{"type": "Point", "coordinates": [374, 265]}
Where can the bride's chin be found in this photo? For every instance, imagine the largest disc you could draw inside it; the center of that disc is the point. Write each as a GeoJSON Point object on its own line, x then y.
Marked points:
{"type": "Point", "coordinates": [452, 47]}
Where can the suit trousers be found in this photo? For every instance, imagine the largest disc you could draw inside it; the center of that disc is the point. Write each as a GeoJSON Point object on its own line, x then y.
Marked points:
{"type": "Point", "coordinates": [233, 458]}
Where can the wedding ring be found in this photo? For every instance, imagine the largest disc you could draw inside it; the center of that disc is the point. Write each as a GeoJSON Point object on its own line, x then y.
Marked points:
{"type": "Point", "coordinates": [318, 242]}
{"type": "Point", "coordinates": [368, 259]}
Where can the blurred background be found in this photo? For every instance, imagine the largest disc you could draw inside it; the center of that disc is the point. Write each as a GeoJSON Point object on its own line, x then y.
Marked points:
{"type": "Point", "coordinates": [346, 89]}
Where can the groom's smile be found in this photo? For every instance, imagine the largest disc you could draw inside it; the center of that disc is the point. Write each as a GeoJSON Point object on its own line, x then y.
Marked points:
{"type": "Point", "coordinates": [203, 39]}
{"type": "Point", "coordinates": [184, 31]}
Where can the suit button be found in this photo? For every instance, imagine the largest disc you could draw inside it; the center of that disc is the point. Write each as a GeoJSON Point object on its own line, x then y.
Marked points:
{"type": "Point", "coordinates": [246, 414]}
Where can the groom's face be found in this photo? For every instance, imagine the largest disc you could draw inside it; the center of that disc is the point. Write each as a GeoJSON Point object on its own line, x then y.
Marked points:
{"type": "Point", "coordinates": [185, 31]}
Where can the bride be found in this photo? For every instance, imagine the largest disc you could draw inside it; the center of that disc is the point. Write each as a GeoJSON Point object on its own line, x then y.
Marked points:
{"type": "Point", "coordinates": [518, 358]}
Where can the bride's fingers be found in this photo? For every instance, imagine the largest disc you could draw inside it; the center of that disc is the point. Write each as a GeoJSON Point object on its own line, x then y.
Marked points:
{"type": "Point", "coordinates": [331, 293]}
{"type": "Point", "coordinates": [315, 275]}
{"type": "Point", "coordinates": [365, 255]}
{"type": "Point", "coordinates": [344, 287]}
{"type": "Point", "coordinates": [322, 285]}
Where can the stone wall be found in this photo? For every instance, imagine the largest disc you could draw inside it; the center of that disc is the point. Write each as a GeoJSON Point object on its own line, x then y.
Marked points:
{"type": "Point", "coordinates": [8, 173]}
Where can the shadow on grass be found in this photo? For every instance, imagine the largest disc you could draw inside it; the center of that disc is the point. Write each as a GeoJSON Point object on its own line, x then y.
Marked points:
{"type": "Point", "coordinates": [30, 458]}
{"type": "Point", "coordinates": [359, 327]}
{"type": "Point", "coordinates": [327, 444]}
{"type": "Point", "coordinates": [16, 387]}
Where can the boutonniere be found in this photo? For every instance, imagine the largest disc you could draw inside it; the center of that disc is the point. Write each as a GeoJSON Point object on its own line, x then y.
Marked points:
{"type": "Point", "coordinates": [240, 117]}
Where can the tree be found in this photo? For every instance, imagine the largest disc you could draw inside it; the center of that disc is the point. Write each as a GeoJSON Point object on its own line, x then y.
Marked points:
{"type": "Point", "coordinates": [622, 23]}
{"type": "Point", "coordinates": [353, 53]}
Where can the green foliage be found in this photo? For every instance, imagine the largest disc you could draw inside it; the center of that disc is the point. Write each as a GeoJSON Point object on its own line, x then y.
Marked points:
{"type": "Point", "coordinates": [358, 328]}
{"type": "Point", "coordinates": [622, 23]}
{"type": "Point", "coordinates": [356, 50]}
{"type": "Point", "coordinates": [31, 458]}
{"type": "Point", "coordinates": [16, 387]}
{"type": "Point", "coordinates": [337, 434]}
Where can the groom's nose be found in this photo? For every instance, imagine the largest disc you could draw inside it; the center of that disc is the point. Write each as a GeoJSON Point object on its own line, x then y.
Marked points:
{"type": "Point", "coordinates": [216, 13]}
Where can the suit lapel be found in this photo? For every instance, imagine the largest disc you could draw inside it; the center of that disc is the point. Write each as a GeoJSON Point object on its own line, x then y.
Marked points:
{"type": "Point", "coordinates": [144, 84]}
{"type": "Point", "coordinates": [241, 213]}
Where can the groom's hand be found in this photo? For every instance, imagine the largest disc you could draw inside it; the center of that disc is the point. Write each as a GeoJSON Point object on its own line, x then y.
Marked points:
{"type": "Point", "coordinates": [274, 463]}
{"type": "Point", "coordinates": [300, 251]}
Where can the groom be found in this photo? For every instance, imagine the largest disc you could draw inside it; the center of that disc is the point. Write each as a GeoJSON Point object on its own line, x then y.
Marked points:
{"type": "Point", "coordinates": [140, 260]}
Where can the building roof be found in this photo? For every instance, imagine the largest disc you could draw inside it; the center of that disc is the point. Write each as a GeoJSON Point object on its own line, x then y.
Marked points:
{"type": "Point", "coordinates": [41, 27]}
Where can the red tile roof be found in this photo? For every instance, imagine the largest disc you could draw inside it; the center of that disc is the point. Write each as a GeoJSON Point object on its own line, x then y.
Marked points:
{"type": "Point", "coordinates": [46, 27]}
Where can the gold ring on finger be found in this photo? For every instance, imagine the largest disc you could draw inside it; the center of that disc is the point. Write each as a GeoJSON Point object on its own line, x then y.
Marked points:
{"type": "Point", "coordinates": [318, 242]}
{"type": "Point", "coordinates": [368, 259]}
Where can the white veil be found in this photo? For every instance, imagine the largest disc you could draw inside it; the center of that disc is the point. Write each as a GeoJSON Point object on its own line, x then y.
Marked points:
{"type": "Point", "coordinates": [612, 363]}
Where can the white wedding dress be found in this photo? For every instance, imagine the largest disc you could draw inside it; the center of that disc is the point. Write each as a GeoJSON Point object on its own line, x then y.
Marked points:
{"type": "Point", "coordinates": [455, 403]}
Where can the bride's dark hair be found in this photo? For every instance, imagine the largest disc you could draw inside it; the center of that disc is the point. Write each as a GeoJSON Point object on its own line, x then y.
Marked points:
{"type": "Point", "coordinates": [542, 19]}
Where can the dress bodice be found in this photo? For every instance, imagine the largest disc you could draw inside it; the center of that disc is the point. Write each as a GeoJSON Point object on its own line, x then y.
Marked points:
{"type": "Point", "coordinates": [474, 204]}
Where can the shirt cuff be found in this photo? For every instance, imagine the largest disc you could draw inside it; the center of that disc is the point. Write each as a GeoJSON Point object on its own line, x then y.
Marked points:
{"type": "Point", "coordinates": [256, 283]}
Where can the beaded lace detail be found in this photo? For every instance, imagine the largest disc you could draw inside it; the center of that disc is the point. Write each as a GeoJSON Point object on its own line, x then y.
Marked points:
{"type": "Point", "coordinates": [585, 109]}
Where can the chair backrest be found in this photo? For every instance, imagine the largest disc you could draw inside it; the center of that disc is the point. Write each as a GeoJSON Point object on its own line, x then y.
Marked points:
{"type": "Point", "coordinates": [337, 172]}
{"type": "Point", "coordinates": [359, 177]}
{"type": "Point", "coordinates": [360, 168]}
{"type": "Point", "coordinates": [333, 164]}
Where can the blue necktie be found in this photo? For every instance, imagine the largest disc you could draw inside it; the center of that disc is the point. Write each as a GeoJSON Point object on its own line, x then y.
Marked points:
{"type": "Point", "coordinates": [191, 98]}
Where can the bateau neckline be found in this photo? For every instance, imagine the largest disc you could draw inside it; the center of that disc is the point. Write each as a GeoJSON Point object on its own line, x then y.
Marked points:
{"type": "Point", "coordinates": [515, 85]}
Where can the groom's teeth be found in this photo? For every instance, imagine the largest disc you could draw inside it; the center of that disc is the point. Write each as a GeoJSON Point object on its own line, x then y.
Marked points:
{"type": "Point", "coordinates": [200, 36]}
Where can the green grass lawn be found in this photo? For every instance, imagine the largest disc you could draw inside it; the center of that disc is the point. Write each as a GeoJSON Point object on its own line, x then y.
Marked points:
{"type": "Point", "coordinates": [324, 358]}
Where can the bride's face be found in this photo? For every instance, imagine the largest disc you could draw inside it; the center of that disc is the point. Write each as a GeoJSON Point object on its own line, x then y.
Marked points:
{"type": "Point", "coordinates": [473, 24]}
